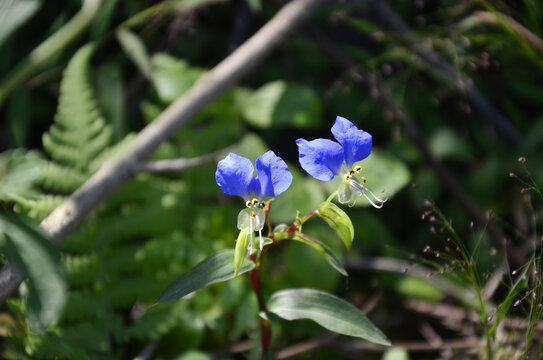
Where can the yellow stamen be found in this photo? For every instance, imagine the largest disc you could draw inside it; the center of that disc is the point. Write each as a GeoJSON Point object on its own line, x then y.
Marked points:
{"type": "Point", "coordinates": [248, 203]}
{"type": "Point", "coordinates": [357, 169]}
{"type": "Point", "coordinates": [363, 179]}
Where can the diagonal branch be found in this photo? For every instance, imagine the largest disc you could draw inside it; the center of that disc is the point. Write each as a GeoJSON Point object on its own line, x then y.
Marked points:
{"type": "Point", "coordinates": [121, 168]}
{"type": "Point", "coordinates": [180, 164]}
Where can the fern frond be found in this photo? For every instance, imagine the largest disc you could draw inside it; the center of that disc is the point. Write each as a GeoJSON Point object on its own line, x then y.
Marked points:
{"type": "Point", "coordinates": [149, 220]}
{"type": "Point", "coordinates": [60, 178]}
{"type": "Point", "coordinates": [124, 292]}
{"type": "Point", "coordinates": [51, 346]}
{"type": "Point", "coordinates": [167, 253]}
{"type": "Point", "coordinates": [37, 209]}
{"type": "Point", "coordinates": [82, 270]}
{"type": "Point", "coordinates": [156, 321]}
{"type": "Point", "coordinates": [80, 132]}
{"type": "Point", "coordinates": [82, 306]}
{"type": "Point", "coordinates": [61, 153]}
{"type": "Point", "coordinates": [76, 138]}
{"type": "Point", "coordinates": [97, 144]}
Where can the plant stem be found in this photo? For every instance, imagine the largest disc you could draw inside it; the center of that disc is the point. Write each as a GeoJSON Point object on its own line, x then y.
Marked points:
{"type": "Point", "coordinates": [265, 324]}
{"type": "Point", "coordinates": [484, 322]}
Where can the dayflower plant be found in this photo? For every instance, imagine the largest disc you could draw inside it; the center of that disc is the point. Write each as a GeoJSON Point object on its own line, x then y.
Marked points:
{"type": "Point", "coordinates": [323, 159]}
{"type": "Point", "coordinates": [235, 176]}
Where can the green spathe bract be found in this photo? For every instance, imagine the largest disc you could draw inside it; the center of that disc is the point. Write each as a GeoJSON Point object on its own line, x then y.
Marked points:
{"type": "Point", "coordinates": [240, 253]}
{"type": "Point", "coordinates": [338, 220]}
{"type": "Point", "coordinates": [327, 310]}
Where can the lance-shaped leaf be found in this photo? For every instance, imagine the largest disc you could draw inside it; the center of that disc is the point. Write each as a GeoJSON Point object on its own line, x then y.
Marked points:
{"type": "Point", "coordinates": [321, 247]}
{"type": "Point", "coordinates": [327, 310]}
{"type": "Point", "coordinates": [338, 220]}
{"type": "Point", "coordinates": [135, 50]}
{"type": "Point", "coordinates": [217, 267]}
{"type": "Point", "coordinates": [28, 249]}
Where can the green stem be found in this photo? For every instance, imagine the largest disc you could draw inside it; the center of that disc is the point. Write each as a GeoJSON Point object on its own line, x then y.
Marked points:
{"type": "Point", "coordinates": [484, 322]}
{"type": "Point", "coordinates": [265, 324]}
{"type": "Point", "coordinates": [46, 50]}
{"type": "Point", "coordinates": [161, 8]}
{"type": "Point", "coordinates": [469, 269]}
{"type": "Point", "coordinates": [331, 197]}
{"type": "Point", "coordinates": [256, 283]}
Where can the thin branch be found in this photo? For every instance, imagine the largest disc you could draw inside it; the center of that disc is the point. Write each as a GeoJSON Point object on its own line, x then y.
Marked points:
{"type": "Point", "coordinates": [455, 344]}
{"type": "Point", "coordinates": [121, 168]}
{"type": "Point", "coordinates": [306, 346]}
{"type": "Point", "coordinates": [180, 164]}
{"type": "Point", "coordinates": [406, 268]}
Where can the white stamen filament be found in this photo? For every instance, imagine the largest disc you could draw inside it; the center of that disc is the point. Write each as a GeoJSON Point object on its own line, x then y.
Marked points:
{"type": "Point", "coordinates": [362, 190]}
{"type": "Point", "coordinates": [259, 232]}
{"type": "Point", "coordinates": [251, 231]}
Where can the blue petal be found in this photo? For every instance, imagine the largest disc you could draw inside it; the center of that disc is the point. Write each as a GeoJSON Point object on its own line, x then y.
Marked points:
{"type": "Point", "coordinates": [235, 176]}
{"type": "Point", "coordinates": [273, 175]}
{"type": "Point", "coordinates": [356, 143]}
{"type": "Point", "coordinates": [321, 158]}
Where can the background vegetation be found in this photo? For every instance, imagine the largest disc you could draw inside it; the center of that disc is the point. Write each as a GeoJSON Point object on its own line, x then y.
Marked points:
{"type": "Point", "coordinates": [451, 91]}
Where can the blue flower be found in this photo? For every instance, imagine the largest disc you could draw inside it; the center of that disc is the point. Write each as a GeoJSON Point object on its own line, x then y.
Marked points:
{"type": "Point", "coordinates": [235, 176]}
{"type": "Point", "coordinates": [323, 159]}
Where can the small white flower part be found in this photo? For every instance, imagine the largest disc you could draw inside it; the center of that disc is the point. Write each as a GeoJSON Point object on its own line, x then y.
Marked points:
{"type": "Point", "coordinates": [253, 218]}
{"type": "Point", "coordinates": [351, 187]}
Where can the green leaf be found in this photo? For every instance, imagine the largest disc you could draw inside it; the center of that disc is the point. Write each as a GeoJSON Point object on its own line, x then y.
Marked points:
{"type": "Point", "coordinates": [338, 220]}
{"type": "Point", "coordinates": [282, 104]}
{"type": "Point", "coordinates": [255, 5]}
{"type": "Point", "coordinates": [14, 13]}
{"type": "Point", "coordinates": [172, 77]}
{"type": "Point", "coordinates": [28, 249]}
{"type": "Point", "coordinates": [19, 170]}
{"type": "Point", "coordinates": [193, 355]}
{"type": "Point", "coordinates": [322, 248]}
{"type": "Point", "coordinates": [445, 143]}
{"type": "Point", "coordinates": [411, 287]}
{"type": "Point", "coordinates": [135, 49]}
{"type": "Point", "coordinates": [241, 249]}
{"type": "Point", "coordinates": [396, 353]}
{"type": "Point", "coordinates": [383, 172]}
{"type": "Point", "coordinates": [217, 267]}
{"type": "Point", "coordinates": [110, 96]}
{"type": "Point", "coordinates": [326, 310]}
